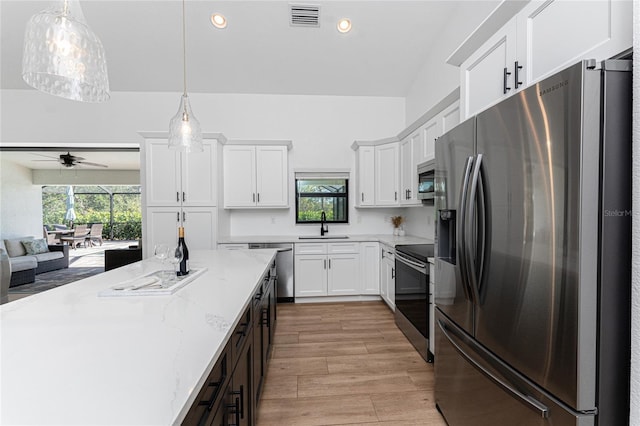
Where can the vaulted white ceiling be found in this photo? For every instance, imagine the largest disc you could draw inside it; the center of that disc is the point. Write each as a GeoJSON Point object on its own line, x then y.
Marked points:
{"type": "Point", "coordinates": [259, 52]}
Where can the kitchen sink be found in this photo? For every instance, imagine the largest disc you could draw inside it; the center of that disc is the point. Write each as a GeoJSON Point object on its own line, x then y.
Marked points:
{"type": "Point", "coordinates": [324, 237]}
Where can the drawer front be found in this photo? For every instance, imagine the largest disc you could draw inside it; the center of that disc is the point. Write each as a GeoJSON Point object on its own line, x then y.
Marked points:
{"type": "Point", "coordinates": [212, 391]}
{"type": "Point", "coordinates": [241, 334]}
{"type": "Point", "coordinates": [340, 248]}
{"type": "Point", "coordinates": [233, 246]}
{"type": "Point", "coordinates": [311, 248]}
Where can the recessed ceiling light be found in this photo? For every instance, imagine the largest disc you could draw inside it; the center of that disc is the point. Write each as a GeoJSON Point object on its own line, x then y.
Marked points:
{"type": "Point", "coordinates": [344, 25]}
{"type": "Point", "coordinates": [218, 20]}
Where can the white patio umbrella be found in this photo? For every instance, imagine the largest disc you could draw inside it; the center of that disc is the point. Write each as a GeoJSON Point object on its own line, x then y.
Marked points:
{"type": "Point", "coordinates": [70, 215]}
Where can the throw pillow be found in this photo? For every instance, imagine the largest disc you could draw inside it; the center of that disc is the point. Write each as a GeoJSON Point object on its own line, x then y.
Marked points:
{"type": "Point", "coordinates": [36, 246]}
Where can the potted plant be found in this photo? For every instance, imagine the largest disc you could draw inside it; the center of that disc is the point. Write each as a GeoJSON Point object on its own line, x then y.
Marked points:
{"type": "Point", "coordinates": [397, 222]}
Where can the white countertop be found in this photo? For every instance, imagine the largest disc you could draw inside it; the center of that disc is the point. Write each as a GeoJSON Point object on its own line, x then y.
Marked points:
{"type": "Point", "coordinates": [388, 239]}
{"type": "Point", "coordinates": [71, 357]}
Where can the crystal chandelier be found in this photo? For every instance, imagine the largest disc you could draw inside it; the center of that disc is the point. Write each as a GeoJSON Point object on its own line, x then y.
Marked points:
{"type": "Point", "coordinates": [184, 129]}
{"type": "Point", "coordinates": [63, 57]}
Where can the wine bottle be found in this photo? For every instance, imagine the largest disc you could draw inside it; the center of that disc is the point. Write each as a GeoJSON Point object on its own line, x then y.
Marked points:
{"type": "Point", "coordinates": [184, 263]}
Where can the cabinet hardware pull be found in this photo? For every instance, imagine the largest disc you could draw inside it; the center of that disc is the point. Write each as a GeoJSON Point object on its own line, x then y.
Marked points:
{"type": "Point", "coordinates": [393, 273]}
{"type": "Point", "coordinates": [516, 71]}
{"type": "Point", "coordinates": [178, 217]}
{"type": "Point", "coordinates": [184, 216]}
{"type": "Point", "coordinates": [235, 407]}
{"type": "Point", "coordinates": [505, 76]}
{"type": "Point", "coordinates": [409, 194]}
{"type": "Point", "coordinates": [241, 393]}
{"type": "Point", "coordinates": [258, 197]}
{"type": "Point", "coordinates": [329, 263]}
{"type": "Point", "coordinates": [395, 196]}
{"type": "Point", "coordinates": [184, 198]}
{"type": "Point", "coordinates": [177, 197]}
{"type": "Point", "coordinates": [362, 196]}
{"type": "Point", "coordinates": [254, 197]}
{"type": "Point", "coordinates": [325, 264]}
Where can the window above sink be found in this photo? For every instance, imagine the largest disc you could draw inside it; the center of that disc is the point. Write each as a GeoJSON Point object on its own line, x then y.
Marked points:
{"type": "Point", "coordinates": [317, 194]}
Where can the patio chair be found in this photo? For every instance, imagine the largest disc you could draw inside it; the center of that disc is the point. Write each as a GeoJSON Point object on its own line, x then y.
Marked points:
{"type": "Point", "coordinates": [95, 234]}
{"type": "Point", "coordinates": [79, 234]}
{"type": "Point", "coordinates": [51, 238]}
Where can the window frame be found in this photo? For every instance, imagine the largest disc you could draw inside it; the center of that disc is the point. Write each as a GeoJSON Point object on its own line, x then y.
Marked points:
{"type": "Point", "coordinates": [323, 195]}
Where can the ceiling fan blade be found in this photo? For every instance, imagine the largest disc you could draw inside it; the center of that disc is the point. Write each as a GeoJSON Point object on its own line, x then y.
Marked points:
{"type": "Point", "coordinates": [87, 163]}
{"type": "Point", "coordinates": [46, 156]}
{"type": "Point", "coordinates": [47, 160]}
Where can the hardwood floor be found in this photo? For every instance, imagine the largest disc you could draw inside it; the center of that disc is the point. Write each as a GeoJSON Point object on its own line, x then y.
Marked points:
{"type": "Point", "coordinates": [345, 364]}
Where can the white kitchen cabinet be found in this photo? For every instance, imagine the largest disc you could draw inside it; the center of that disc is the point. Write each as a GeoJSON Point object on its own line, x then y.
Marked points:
{"type": "Point", "coordinates": [365, 169]}
{"type": "Point", "coordinates": [310, 275]}
{"type": "Point", "coordinates": [388, 276]}
{"type": "Point", "coordinates": [200, 227]}
{"type": "Point", "coordinates": [448, 119]}
{"type": "Point", "coordinates": [410, 152]}
{"type": "Point", "coordinates": [370, 268]}
{"type": "Point", "coordinates": [343, 277]}
{"type": "Point", "coordinates": [174, 178]}
{"type": "Point", "coordinates": [256, 176]}
{"type": "Point", "coordinates": [387, 179]}
{"type": "Point", "coordinates": [162, 227]}
{"type": "Point", "coordinates": [431, 130]}
{"type": "Point", "coordinates": [555, 34]}
{"type": "Point", "coordinates": [541, 39]}
{"type": "Point", "coordinates": [485, 76]}
{"type": "Point", "coordinates": [323, 269]}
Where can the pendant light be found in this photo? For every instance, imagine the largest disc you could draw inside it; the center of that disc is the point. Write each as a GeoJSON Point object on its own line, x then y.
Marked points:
{"type": "Point", "coordinates": [184, 129]}
{"type": "Point", "coordinates": [63, 57]}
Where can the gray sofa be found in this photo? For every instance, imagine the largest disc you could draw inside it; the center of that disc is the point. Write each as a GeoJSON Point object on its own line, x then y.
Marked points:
{"type": "Point", "coordinates": [24, 267]}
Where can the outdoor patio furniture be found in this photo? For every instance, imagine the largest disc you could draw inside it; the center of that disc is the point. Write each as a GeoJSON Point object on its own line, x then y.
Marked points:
{"type": "Point", "coordinates": [51, 236]}
{"type": "Point", "coordinates": [80, 232]}
{"type": "Point", "coordinates": [24, 266]}
{"type": "Point", "coordinates": [116, 258]}
{"type": "Point", "coordinates": [95, 234]}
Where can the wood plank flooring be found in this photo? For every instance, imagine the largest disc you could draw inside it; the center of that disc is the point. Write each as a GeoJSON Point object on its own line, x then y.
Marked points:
{"type": "Point", "coordinates": [345, 364]}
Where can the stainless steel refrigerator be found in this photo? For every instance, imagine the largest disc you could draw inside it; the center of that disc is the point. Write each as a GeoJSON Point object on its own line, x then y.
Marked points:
{"type": "Point", "coordinates": [533, 198]}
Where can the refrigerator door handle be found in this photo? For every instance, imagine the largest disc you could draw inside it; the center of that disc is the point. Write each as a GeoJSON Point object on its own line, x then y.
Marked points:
{"type": "Point", "coordinates": [527, 400]}
{"type": "Point", "coordinates": [461, 243]}
{"type": "Point", "coordinates": [474, 273]}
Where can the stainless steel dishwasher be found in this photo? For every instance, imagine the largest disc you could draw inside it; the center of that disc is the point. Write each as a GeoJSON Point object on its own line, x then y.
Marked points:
{"type": "Point", "coordinates": [284, 269]}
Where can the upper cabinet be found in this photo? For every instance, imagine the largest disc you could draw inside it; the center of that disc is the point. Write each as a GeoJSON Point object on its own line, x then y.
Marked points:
{"type": "Point", "coordinates": [365, 169]}
{"type": "Point", "coordinates": [387, 169]}
{"type": "Point", "coordinates": [175, 178]}
{"type": "Point", "coordinates": [542, 38]}
{"type": "Point", "coordinates": [387, 176]}
{"type": "Point", "coordinates": [256, 175]}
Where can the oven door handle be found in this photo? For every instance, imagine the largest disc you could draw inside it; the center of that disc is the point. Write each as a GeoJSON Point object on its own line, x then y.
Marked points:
{"type": "Point", "coordinates": [420, 267]}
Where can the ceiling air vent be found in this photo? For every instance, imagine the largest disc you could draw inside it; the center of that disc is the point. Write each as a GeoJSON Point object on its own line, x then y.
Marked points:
{"type": "Point", "coordinates": [304, 15]}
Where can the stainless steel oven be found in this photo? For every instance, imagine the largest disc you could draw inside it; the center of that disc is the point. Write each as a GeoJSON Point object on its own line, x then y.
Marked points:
{"type": "Point", "coordinates": [412, 295]}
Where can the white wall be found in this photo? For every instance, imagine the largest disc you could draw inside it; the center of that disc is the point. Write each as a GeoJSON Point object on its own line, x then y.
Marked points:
{"type": "Point", "coordinates": [437, 79]}
{"type": "Point", "coordinates": [635, 278]}
{"type": "Point", "coordinates": [322, 129]}
{"type": "Point", "coordinates": [20, 202]}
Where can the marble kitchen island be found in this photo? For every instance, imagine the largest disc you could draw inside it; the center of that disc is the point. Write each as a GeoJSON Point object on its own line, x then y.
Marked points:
{"type": "Point", "coordinates": [69, 356]}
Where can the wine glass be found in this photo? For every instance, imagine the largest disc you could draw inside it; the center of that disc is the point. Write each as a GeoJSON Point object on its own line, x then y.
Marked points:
{"type": "Point", "coordinates": [175, 257]}
{"type": "Point", "coordinates": [161, 252]}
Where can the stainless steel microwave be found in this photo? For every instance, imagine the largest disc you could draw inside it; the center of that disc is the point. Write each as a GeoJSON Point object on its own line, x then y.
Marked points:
{"type": "Point", "coordinates": [426, 189]}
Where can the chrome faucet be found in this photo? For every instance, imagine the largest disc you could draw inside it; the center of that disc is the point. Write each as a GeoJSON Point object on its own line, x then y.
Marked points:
{"type": "Point", "coordinates": [323, 224]}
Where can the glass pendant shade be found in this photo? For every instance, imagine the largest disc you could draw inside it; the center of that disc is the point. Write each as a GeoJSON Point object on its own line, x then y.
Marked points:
{"type": "Point", "coordinates": [63, 57]}
{"type": "Point", "coordinates": [184, 129]}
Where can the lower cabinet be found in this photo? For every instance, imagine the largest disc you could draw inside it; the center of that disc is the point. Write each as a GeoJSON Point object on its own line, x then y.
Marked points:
{"type": "Point", "coordinates": [388, 276]}
{"type": "Point", "coordinates": [327, 269]}
{"type": "Point", "coordinates": [230, 394]}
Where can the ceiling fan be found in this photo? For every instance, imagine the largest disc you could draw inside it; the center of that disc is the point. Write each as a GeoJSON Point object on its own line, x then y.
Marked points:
{"type": "Point", "coordinates": [67, 160]}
